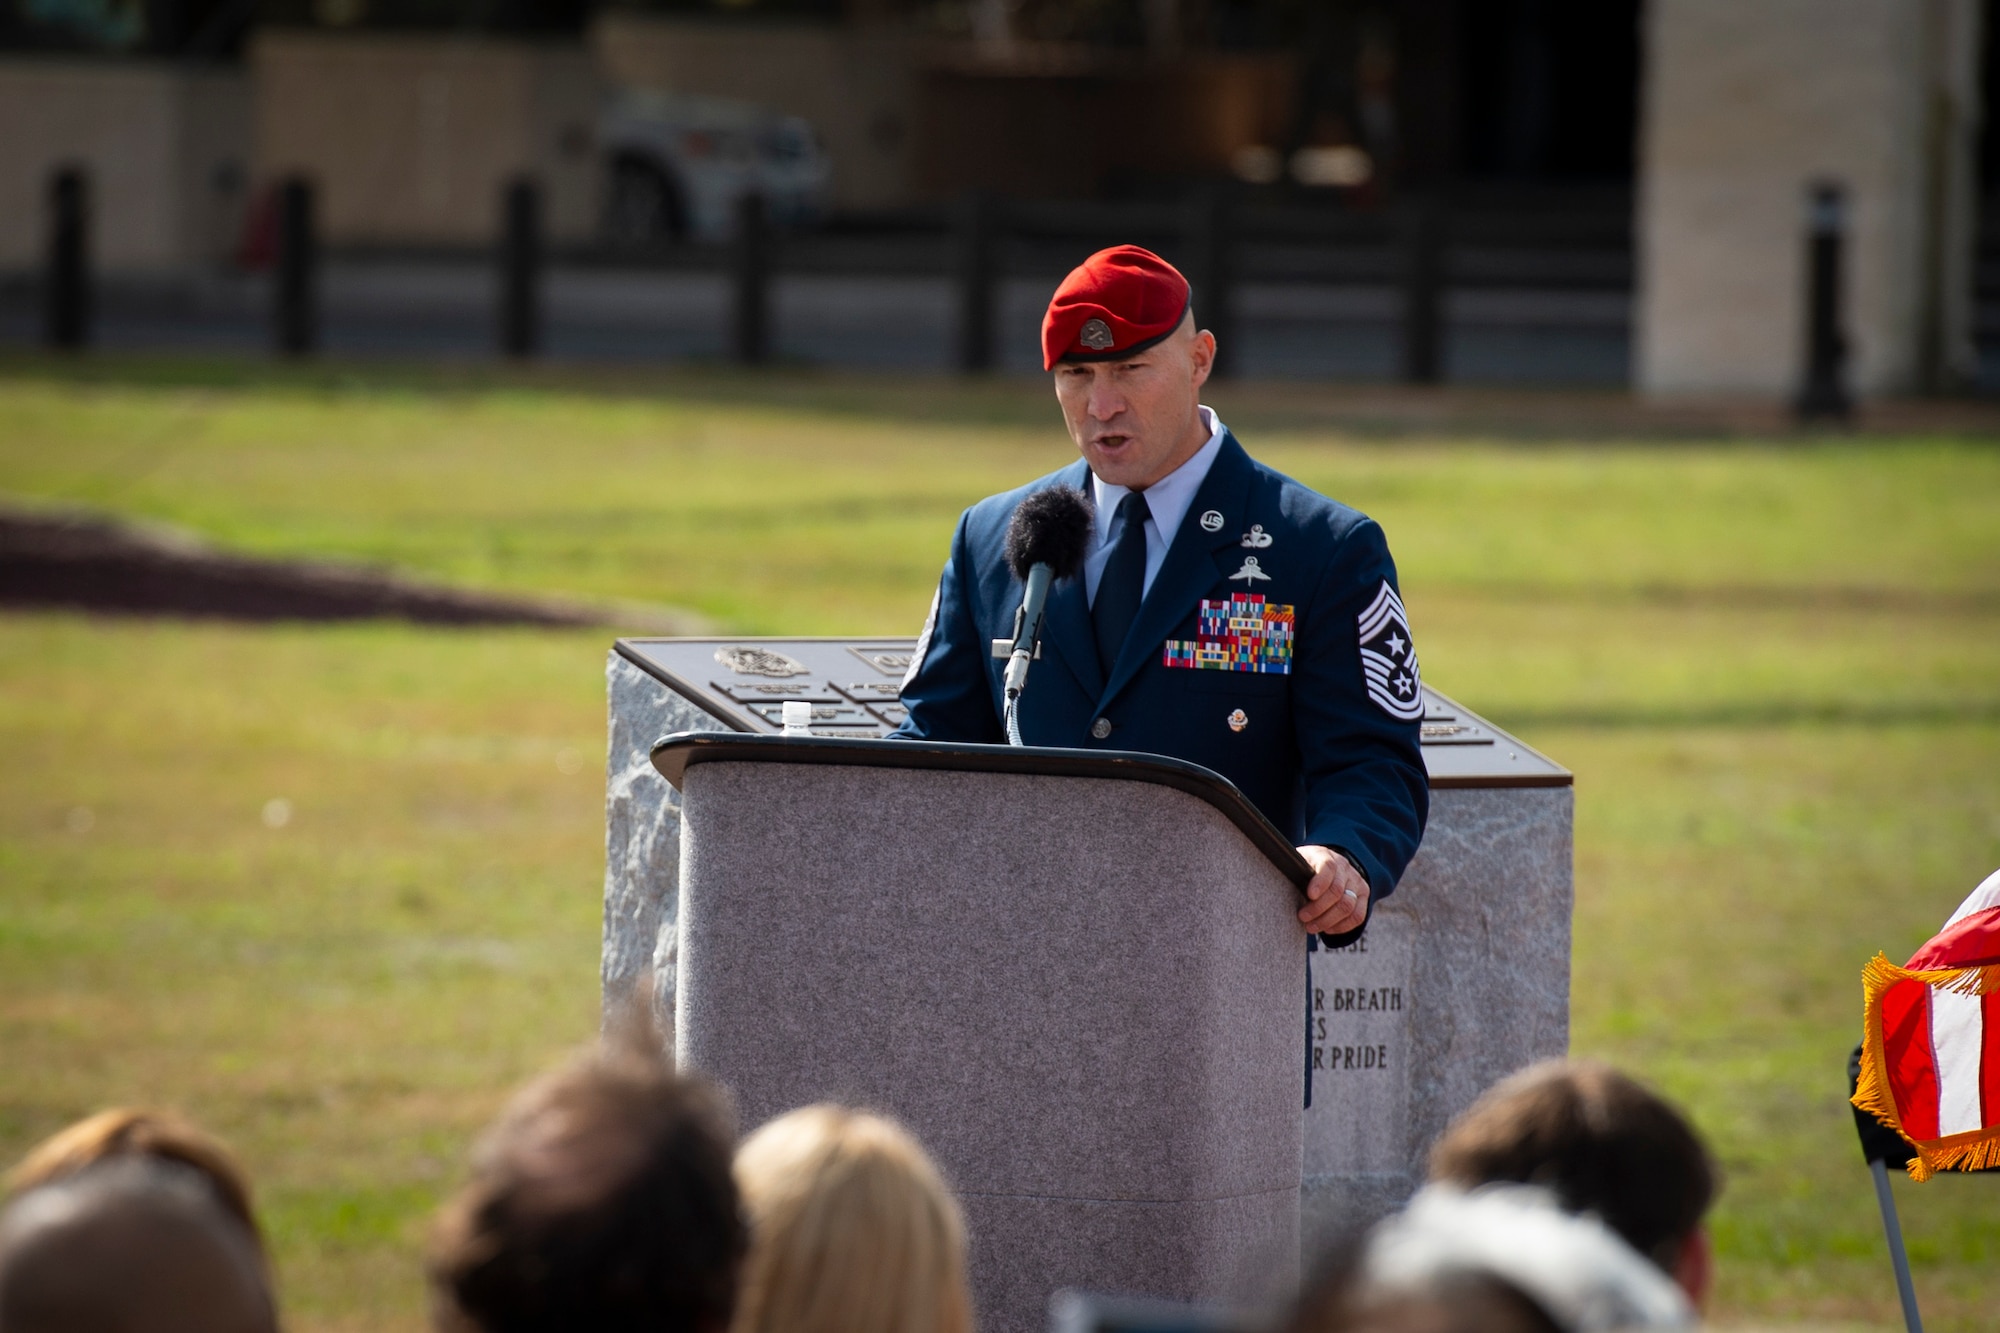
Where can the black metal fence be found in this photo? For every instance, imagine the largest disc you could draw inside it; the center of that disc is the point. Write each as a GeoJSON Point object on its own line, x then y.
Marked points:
{"type": "Point", "coordinates": [1415, 262]}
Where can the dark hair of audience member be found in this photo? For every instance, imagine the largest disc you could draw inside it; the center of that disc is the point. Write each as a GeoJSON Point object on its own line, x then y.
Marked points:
{"type": "Point", "coordinates": [1596, 1139]}
{"type": "Point", "coordinates": [132, 1244]}
{"type": "Point", "coordinates": [601, 1199]}
{"type": "Point", "coordinates": [129, 1132]}
{"type": "Point", "coordinates": [1338, 1302]}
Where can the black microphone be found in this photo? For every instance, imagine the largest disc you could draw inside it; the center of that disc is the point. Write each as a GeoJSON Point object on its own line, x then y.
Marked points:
{"type": "Point", "coordinates": [1046, 540]}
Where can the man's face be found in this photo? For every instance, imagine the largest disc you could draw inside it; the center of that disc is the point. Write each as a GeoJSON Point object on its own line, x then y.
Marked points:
{"type": "Point", "coordinates": [1137, 419]}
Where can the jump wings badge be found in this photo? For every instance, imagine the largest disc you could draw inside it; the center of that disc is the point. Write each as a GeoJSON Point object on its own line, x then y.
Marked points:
{"type": "Point", "coordinates": [1388, 658]}
{"type": "Point", "coordinates": [1250, 572]}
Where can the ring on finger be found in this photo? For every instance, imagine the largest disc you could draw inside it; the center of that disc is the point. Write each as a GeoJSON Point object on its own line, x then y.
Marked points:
{"type": "Point", "coordinates": [1350, 895]}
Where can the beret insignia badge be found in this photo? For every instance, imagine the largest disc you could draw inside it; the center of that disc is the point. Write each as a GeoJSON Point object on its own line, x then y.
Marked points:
{"type": "Point", "coordinates": [1095, 334]}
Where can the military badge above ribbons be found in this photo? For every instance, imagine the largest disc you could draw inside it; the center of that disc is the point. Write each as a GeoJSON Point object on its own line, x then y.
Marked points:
{"type": "Point", "coordinates": [1241, 633]}
{"type": "Point", "coordinates": [1389, 658]}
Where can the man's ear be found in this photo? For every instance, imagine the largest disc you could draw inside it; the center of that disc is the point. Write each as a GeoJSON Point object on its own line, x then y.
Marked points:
{"type": "Point", "coordinates": [1201, 353]}
{"type": "Point", "coordinates": [1694, 1270]}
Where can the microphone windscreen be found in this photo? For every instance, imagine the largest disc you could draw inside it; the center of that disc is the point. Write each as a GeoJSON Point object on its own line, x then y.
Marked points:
{"type": "Point", "coordinates": [1050, 527]}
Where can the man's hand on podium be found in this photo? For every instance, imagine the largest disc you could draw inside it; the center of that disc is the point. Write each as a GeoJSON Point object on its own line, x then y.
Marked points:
{"type": "Point", "coordinates": [1337, 898]}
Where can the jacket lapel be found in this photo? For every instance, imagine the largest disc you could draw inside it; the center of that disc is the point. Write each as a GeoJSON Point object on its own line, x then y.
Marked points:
{"type": "Point", "coordinates": [1066, 631]}
{"type": "Point", "coordinates": [1189, 569]}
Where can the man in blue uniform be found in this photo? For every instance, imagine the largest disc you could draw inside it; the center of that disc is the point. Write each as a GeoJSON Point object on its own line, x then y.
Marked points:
{"type": "Point", "coordinates": [1225, 614]}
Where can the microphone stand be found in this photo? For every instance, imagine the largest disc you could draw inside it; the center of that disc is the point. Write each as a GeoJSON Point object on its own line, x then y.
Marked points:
{"type": "Point", "coordinates": [1027, 645]}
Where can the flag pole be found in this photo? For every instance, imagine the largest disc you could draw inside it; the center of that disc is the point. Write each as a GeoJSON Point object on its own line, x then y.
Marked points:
{"type": "Point", "coordinates": [1881, 1147]}
{"type": "Point", "coordinates": [1900, 1257]}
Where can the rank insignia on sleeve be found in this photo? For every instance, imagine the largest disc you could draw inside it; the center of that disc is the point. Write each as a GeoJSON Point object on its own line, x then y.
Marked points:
{"type": "Point", "coordinates": [1242, 633]}
{"type": "Point", "coordinates": [1388, 658]}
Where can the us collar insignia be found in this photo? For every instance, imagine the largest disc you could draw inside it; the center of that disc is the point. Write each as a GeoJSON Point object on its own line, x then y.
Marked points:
{"type": "Point", "coordinates": [1212, 521]}
{"type": "Point", "coordinates": [1250, 572]}
{"type": "Point", "coordinates": [1244, 633]}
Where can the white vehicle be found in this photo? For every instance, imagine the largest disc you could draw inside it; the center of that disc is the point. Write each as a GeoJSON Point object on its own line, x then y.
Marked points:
{"type": "Point", "coordinates": [677, 165]}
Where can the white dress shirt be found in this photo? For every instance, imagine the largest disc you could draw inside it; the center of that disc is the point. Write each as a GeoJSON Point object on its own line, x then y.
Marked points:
{"type": "Point", "coordinates": [1167, 499]}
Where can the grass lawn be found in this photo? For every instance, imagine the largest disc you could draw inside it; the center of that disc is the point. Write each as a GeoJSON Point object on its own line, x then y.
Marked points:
{"type": "Point", "coordinates": [1774, 666]}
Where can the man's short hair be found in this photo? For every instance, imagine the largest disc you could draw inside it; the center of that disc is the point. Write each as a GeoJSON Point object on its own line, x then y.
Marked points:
{"type": "Point", "coordinates": [133, 1244]}
{"type": "Point", "coordinates": [1596, 1139]}
{"type": "Point", "coordinates": [602, 1198]}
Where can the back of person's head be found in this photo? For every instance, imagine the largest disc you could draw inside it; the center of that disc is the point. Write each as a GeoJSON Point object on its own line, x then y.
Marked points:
{"type": "Point", "coordinates": [131, 1132]}
{"type": "Point", "coordinates": [1499, 1259]}
{"type": "Point", "coordinates": [130, 1245]}
{"type": "Point", "coordinates": [601, 1199]}
{"type": "Point", "coordinates": [1596, 1139]}
{"type": "Point", "coordinates": [852, 1230]}
{"type": "Point", "coordinates": [1460, 1303]}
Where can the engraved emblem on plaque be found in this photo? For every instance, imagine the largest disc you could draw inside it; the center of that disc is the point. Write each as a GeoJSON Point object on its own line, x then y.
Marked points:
{"type": "Point", "coordinates": [747, 661]}
{"type": "Point", "coordinates": [888, 661]}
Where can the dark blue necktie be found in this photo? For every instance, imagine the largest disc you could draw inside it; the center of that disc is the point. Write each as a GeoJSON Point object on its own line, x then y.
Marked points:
{"type": "Point", "coordinates": [1123, 584]}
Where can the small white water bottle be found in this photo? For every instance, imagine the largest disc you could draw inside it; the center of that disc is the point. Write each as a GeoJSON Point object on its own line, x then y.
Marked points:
{"type": "Point", "coordinates": [798, 718]}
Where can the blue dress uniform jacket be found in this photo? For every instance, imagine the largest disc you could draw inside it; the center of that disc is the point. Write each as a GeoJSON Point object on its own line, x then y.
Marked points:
{"type": "Point", "coordinates": [1327, 749]}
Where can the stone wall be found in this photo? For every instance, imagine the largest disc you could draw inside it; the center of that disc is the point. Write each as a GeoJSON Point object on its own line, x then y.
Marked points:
{"type": "Point", "coordinates": [1461, 978]}
{"type": "Point", "coordinates": [642, 838]}
{"type": "Point", "coordinates": [412, 138]}
{"type": "Point", "coordinates": [166, 148]}
{"type": "Point", "coordinates": [1745, 104]}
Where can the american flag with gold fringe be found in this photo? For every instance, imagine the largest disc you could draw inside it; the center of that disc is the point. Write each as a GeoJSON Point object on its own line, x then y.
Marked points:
{"type": "Point", "coordinates": [1930, 1048]}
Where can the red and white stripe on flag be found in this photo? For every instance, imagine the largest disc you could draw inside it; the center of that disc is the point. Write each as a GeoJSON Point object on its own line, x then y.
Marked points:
{"type": "Point", "coordinates": [1930, 1051]}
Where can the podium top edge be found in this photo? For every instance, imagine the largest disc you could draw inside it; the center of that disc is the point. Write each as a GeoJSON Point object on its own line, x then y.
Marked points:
{"type": "Point", "coordinates": [673, 755]}
{"type": "Point", "coordinates": [1461, 749]}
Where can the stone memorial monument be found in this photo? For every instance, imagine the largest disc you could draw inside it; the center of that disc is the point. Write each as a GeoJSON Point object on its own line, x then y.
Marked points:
{"type": "Point", "coordinates": [1461, 978]}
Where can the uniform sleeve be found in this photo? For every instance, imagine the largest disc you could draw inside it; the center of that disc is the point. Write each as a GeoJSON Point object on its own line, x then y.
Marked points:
{"type": "Point", "coordinates": [1358, 721]}
{"type": "Point", "coordinates": [947, 692]}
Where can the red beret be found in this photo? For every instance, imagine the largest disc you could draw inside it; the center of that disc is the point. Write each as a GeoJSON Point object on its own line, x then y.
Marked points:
{"type": "Point", "coordinates": [1117, 302]}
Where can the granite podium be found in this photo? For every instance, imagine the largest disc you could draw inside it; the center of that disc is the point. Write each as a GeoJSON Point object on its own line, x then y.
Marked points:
{"type": "Point", "coordinates": [1462, 977]}
{"type": "Point", "coordinates": [1076, 976]}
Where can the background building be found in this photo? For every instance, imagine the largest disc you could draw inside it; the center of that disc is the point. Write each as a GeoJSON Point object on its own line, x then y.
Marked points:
{"type": "Point", "coordinates": [1692, 129]}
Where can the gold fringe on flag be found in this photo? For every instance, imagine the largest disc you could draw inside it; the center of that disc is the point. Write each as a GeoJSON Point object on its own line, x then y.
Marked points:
{"type": "Point", "coordinates": [1975, 1150]}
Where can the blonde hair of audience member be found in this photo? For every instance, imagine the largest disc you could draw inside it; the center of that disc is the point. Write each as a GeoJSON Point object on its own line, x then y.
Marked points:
{"type": "Point", "coordinates": [852, 1230]}
{"type": "Point", "coordinates": [134, 1132]}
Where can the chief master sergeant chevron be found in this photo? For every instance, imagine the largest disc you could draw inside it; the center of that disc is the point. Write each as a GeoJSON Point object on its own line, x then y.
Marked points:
{"type": "Point", "coordinates": [1225, 614]}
